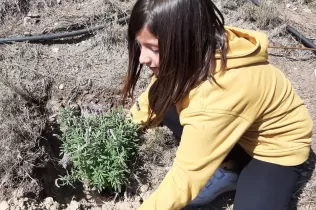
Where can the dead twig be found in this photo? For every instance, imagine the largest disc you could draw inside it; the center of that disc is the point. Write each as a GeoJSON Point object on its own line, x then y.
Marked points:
{"type": "Point", "coordinates": [292, 48]}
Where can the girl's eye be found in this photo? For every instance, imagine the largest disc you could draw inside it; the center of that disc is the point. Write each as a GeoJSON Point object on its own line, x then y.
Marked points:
{"type": "Point", "coordinates": [139, 45]}
{"type": "Point", "coordinates": [156, 51]}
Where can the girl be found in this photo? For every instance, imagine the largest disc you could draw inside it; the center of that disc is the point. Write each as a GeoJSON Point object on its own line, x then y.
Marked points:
{"type": "Point", "coordinates": [213, 86]}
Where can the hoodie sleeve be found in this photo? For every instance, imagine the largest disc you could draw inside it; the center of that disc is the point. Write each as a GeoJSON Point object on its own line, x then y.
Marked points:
{"type": "Point", "coordinates": [204, 145]}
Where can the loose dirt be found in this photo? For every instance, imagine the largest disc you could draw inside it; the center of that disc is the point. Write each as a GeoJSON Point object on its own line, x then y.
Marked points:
{"type": "Point", "coordinates": [86, 73]}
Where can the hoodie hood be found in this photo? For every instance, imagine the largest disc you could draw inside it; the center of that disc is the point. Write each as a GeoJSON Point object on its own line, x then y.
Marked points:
{"type": "Point", "coordinates": [245, 47]}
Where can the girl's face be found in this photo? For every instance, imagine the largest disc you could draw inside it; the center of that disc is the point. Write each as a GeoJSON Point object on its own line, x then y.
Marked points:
{"type": "Point", "coordinates": [149, 54]}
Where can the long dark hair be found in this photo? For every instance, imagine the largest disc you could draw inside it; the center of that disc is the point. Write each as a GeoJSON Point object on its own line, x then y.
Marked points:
{"type": "Point", "coordinates": [189, 33]}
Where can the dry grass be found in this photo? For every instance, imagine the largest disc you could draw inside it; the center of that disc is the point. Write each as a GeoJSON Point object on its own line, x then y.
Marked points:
{"type": "Point", "coordinates": [155, 144]}
{"type": "Point", "coordinates": [86, 72]}
{"type": "Point", "coordinates": [90, 71]}
{"type": "Point", "coordinates": [22, 119]}
{"type": "Point", "coordinates": [266, 16]}
{"type": "Point", "coordinates": [11, 8]}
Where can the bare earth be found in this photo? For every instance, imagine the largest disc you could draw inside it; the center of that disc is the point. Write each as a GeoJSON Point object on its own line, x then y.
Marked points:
{"type": "Point", "coordinates": [87, 72]}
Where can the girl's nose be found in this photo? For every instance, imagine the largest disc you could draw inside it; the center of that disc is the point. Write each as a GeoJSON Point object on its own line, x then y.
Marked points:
{"type": "Point", "coordinates": [144, 58]}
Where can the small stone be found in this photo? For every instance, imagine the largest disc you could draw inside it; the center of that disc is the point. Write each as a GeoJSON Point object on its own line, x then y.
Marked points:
{"type": "Point", "coordinates": [4, 205]}
{"type": "Point", "coordinates": [27, 33]}
{"type": "Point", "coordinates": [61, 87]}
{"type": "Point", "coordinates": [88, 196]}
{"type": "Point", "coordinates": [21, 203]}
{"type": "Point", "coordinates": [55, 49]}
{"type": "Point", "coordinates": [144, 188]}
{"type": "Point", "coordinates": [294, 9]}
{"type": "Point", "coordinates": [26, 21]}
{"type": "Point", "coordinates": [74, 205]}
{"type": "Point", "coordinates": [48, 202]}
{"type": "Point", "coordinates": [52, 118]}
{"type": "Point", "coordinates": [315, 72]}
{"type": "Point", "coordinates": [307, 10]}
{"type": "Point", "coordinates": [138, 199]}
{"type": "Point", "coordinates": [33, 15]}
{"type": "Point", "coordinates": [58, 1]}
{"type": "Point", "coordinates": [288, 5]}
{"type": "Point", "coordinates": [55, 206]}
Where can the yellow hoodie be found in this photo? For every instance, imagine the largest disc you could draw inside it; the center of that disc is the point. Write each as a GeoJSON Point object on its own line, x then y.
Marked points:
{"type": "Point", "coordinates": [256, 107]}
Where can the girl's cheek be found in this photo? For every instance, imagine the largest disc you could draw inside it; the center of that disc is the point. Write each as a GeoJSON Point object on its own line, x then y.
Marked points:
{"type": "Point", "coordinates": [157, 61]}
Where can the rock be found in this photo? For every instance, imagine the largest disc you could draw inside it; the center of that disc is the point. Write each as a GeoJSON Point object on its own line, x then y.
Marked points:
{"type": "Point", "coordinates": [26, 21]}
{"type": "Point", "coordinates": [58, 1]}
{"type": "Point", "coordinates": [21, 203]}
{"type": "Point", "coordinates": [61, 86]}
{"type": "Point", "coordinates": [52, 118]}
{"type": "Point", "coordinates": [48, 202]}
{"type": "Point", "coordinates": [74, 205]}
{"type": "Point", "coordinates": [307, 10]}
{"type": "Point", "coordinates": [144, 188]}
{"type": "Point", "coordinates": [288, 5]}
{"type": "Point", "coordinates": [33, 15]}
{"type": "Point", "coordinates": [4, 205]}
{"type": "Point", "coordinates": [55, 206]}
{"type": "Point", "coordinates": [88, 196]}
{"type": "Point", "coordinates": [55, 49]}
{"type": "Point", "coordinates": [27, 33]}
{"type": "Point", "coordinates": [138, 199]}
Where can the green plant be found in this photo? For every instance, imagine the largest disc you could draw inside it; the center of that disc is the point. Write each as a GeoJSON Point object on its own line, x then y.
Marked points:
{"type": "Point", "coordinates": [101, 149]}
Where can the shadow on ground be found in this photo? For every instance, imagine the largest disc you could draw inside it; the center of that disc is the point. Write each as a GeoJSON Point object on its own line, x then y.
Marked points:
{"type": "Point", "coordinates": [306, 175]}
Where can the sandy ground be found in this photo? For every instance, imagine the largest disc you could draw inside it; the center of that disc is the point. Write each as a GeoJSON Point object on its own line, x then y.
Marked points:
{"type": "Point", "coordinates": [88, 71]}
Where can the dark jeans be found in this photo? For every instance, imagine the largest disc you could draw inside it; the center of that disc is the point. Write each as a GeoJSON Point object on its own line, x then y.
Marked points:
{"type": "Point", "coordinates": [261, 185]}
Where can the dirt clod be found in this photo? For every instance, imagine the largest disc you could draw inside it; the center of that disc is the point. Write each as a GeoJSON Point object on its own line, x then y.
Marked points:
{"type": "Point", "coordinates": [4, 205]}
{"type": "Point", "coordinates": [61, 86]}
{"type": "Point", "coordinates": [74, 205]}
{"type": "Point", "coordinates": [55, 206]}
{"type": "Point", "coordinates": [48, 202]}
